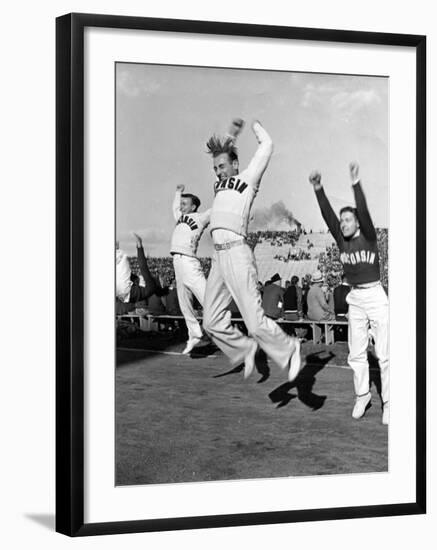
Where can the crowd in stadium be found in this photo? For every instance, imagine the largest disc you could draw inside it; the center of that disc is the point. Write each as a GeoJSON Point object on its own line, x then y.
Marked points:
{"type": "Point", "coordinates": [293, 256]}
{"type": "Point", "coordinates": [165, 301]}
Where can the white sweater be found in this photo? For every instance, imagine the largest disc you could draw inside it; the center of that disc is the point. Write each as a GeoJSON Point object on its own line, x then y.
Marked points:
{"type": "Point", "coordinates": [188, 230]}
{"type": "Point", "coordinates": [234, 196]}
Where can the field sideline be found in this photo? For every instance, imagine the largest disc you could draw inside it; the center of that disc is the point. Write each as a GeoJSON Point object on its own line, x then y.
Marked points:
{"type": "Point", "coordinates": [182, 419]}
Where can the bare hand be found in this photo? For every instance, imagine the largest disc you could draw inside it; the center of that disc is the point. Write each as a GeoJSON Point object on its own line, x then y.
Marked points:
{"type": "Point", "coordinates": [255, 123]}
{"type": "Point", "coordinates": [180, 187]}
{"type": "Point", "coordinates": [315, 177]}
{"type": "Point", "coordinates": [354, 171]}
{"type": "Point", "coordinates": [236, 127]}
{"type": "Point", "coordinates": [138, 239]}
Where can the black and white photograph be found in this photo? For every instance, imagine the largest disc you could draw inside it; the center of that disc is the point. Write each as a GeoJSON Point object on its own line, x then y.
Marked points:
{"type": "Point", "coordinates": [240, 215]}
{"type": "Point", "coordinates": [251, 274]}
{"type": "Point", "coordinates": [224, 214]}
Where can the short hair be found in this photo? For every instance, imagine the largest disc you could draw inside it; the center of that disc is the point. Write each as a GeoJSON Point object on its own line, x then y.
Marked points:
{"type": "Point", "coordinates": [294, 280]}
{"type": "Point", "coordinates": [194, 199]}
{"type": "Point", "coordinates": [349, 209]}
{"type": "Point", "coordinates": [217, 146]}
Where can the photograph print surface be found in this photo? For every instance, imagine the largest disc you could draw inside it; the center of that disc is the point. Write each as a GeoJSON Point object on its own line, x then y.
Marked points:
{"type": "Point", "coordinates": [251, 261]}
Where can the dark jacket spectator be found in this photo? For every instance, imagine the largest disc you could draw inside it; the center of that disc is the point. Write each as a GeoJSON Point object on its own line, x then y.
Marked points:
{"type": "Point", "coordinates": [341, 307]}
{"type": "Point", "coordinates": [172, 302]}
{"type": "Point", "coordinates": [155, 305]}
{"type": "Point", "coordinates": [273, 298]}
{"type": "Point", "coordinates": [293, 299]}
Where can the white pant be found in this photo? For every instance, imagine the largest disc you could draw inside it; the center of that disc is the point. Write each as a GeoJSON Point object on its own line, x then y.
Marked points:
{"type": "Point", "coordinates": [233, 275]}
{"type": "Point", "coordinates": [189, 280]}
{"type": "Point", "coordinates": [368, 309]}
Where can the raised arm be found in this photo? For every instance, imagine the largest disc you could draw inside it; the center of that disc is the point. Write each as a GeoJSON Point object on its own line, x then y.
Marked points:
{"type": "Point", "coordinates": [149, 281]}
{"type": "Point", "coordinates": [205, 216]}
{"type": "Point", "coordinates": [366, 224]}
{"type": "Point", "coordinates": [325, 207]}
{"type": "Point", "coordinates": [260, 160]}
{"type": "Point", "coordinates": [177, 202]}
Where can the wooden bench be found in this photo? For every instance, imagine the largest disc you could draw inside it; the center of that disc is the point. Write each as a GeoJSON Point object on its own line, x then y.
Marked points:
{"type": "Point", "coordinates": [327, 324]}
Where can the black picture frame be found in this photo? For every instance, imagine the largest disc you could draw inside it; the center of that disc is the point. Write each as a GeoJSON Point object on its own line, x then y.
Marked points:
{"type": "Point", "coordinates": [70, 273]}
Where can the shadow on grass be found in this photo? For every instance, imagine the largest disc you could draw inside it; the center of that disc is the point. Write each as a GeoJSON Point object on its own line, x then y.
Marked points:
{"type": "Point", "coordinates": [304, 384]}
{"type": "Point", "coordinates": [154, 342]}
{"type": "Point", "coordinates": [260, 365]}
{"type": "Point", "coordinates": [234, 370]}
{"type": "Point", "coordinates": [200, 352]}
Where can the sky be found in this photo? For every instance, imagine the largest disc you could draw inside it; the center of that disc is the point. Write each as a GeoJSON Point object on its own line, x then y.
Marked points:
{"type": "Point", "coordinates": [165, 115]}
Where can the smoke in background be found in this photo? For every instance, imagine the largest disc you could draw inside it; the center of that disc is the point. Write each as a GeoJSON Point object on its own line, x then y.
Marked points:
{"type": "Point", "coordinates": [275, 218]}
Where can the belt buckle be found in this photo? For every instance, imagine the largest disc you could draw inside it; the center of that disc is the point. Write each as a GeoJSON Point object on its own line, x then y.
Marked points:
{"type": "Point", "coordinates": [227, 245]}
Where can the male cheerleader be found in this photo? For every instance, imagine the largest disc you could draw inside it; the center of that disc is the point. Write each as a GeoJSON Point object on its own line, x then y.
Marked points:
{"type": "Point", "coordinates": [190, 279]}
{"type": "Point", "coordinates": [125, 290]}
{"type": "Point", "coordinates": [233, 271]}
{"type": "Point", "coordinates": [355, 236]}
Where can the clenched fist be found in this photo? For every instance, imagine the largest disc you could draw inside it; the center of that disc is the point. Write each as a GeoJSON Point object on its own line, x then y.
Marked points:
{"type": "Point", "coordinates": [180, 187]}
{"type": "Point", "coordinates": [354, 171]}
{"type": "Point", "coordinates": [236, 127]}
{"type": "Point", "coordinates": [315, 177]}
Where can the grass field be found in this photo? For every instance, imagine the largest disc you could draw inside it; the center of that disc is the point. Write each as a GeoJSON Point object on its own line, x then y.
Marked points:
{"type": "Point", "coordinates": [184, 419]}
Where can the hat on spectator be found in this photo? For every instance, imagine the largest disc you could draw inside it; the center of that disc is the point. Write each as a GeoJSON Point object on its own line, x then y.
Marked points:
{"type": "Point", "coordinates": [276, 277]}
{"type": "Point", "coordinates": [317, 277]}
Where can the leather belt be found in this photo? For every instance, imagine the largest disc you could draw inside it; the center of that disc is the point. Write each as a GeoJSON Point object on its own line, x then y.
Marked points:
{"type": "Point", "coordinates": [367, 285]}
{"type": "Point", "coordinates": [229, 244]}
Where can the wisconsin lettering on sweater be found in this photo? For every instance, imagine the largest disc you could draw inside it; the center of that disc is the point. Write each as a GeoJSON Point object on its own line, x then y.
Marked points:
{"type": "Point", "coordinates": [359, 255]}
{"type": "Point", "coordinates": [231, 184]}
{"type": "Point", "coordinates": [189, 221]}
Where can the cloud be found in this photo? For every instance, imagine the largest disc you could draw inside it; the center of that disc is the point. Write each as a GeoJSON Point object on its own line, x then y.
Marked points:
{"type": "Point", "coordinates": [337, 99]}
{"type": "Point", "coordinates": [133, 84]}
{"type": "Point", "coordinates": [317, 94]}
{"type": "Point", "coordinates": [354, 101]}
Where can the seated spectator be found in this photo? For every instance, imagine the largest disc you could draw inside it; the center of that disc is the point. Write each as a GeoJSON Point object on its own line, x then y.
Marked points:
{"type": "Point", "coordinates": [127, 287]}
{"type": "Point", "coordinates": [121, 308]}
{"type": "Point", "coordinates": [172, 302]}
{"type": "Point", "coordinates": [305, 289]}
{"type": "Point", "coordinates": [341, 307]}
{"type": "Point", "coordinates": [318, 306]}
{"type": "Point", "coordinates": [293, 300]}
{"type": "Point", "coordinates": [155, 304]}
{"type": "Point", "coordinates": [273, 298]}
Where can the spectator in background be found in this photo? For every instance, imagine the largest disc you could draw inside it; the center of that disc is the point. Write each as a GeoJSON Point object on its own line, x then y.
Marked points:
{"type": "Point", "coordinates": [155, 303]}
{"type": "Point", "coordinates": [293, 300]}
{"type": "Point", "coordinates": [329, 295]}
{"type": "Point", "coordinates": [172, 302]}
{"type": "Point", "coordinates": [341, 307]}
{"type": "Point", "coordinates": [306, 282]}
{"type": "Point", "coordinates": [273, 298]}
{"type": "Point", "coordinates": [127, 288]}
{"type": "Point", "coordinates": [318, 306]}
